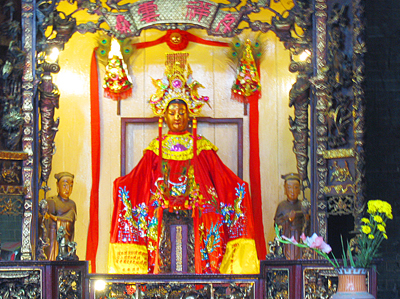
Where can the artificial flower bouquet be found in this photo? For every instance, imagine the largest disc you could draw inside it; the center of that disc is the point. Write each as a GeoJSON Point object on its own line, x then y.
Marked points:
{"type": "Point", "coordinates": [372, 233]}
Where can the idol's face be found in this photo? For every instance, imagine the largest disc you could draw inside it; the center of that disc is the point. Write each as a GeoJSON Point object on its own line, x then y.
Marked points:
{"type": "Point", "coordinates": [177, 117]}
{"type": "Point", "coordinates": [64, 187]}
{"type": "Point", "coordinates": [292, 190]}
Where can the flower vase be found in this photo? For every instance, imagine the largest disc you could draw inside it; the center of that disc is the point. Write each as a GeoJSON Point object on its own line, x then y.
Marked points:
{"type": "Point", "coordinates": [352, 284]}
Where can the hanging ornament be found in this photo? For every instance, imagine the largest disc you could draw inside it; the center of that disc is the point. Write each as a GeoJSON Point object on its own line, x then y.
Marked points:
{"type": "Point", "coordinates": [116, 82]}
{"type": "Point", "coordinates": [247, 83]}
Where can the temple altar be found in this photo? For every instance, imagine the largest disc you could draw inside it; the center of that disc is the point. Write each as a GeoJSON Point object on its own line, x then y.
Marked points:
{"type": "Point", "coordinates": [310, 72]}
{"type": "Point", "coordinates": [287, 279]}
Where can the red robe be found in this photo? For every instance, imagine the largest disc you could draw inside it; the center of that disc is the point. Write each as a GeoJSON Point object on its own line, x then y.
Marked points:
{"type": "Point", "coordinates": [219, 201]}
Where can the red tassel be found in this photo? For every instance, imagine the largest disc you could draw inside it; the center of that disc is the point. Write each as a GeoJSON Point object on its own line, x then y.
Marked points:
{"type": "Point", "coordinates": [194, 138]}
{"type": "Point", "coordinates": [239, 98]}
{"type": "Point", "coordinates": [160, 122]}
{"type": "Point", "coordinates": [117, 96]}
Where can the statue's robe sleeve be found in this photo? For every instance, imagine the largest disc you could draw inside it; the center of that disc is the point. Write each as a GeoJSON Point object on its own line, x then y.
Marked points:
{"type": "Point", "coordinates": [128, 242]}
{"type": "Point", "coordinates": [233, 203]}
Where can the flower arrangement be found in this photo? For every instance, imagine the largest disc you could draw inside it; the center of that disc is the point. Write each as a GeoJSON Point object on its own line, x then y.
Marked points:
{"type": "Point", "coordinates": [372, 233]}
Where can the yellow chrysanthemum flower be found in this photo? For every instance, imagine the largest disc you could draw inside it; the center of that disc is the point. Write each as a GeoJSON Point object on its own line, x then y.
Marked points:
{"type": "Point", "coordinates": [381, 228]}
{"type": "Point", "coordinates": [365, 229]}
{"type": "Point", "coordinates": [380, 206]}
{"type": "Point", "coordinates": [372, 206]}
{"type": "Point", "coordinates": [385, 236]}
{"type": "Point", "coordinates": [370, 236]}
{"type": "Point", "coordinates": [378, 219]}
{"type": "Point", "coordinates": [365, 220]}
{"type": "Point", "coordinates": [385, 208]}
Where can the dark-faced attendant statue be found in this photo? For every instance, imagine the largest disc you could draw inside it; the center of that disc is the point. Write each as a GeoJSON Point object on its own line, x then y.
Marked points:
{"type": "Point", "coordinates": [290, 214]}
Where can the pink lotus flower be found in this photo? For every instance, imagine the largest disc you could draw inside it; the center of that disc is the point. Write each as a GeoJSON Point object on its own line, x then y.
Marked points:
{"type": "Point", "coordinates": [316, 242]}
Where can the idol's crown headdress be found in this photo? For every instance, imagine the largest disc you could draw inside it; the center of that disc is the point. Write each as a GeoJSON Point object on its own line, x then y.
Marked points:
{"type": "Point", "coordinates": [177, 84]}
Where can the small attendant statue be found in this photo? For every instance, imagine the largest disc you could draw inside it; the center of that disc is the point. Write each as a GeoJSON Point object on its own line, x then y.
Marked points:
{"type": "Point", "coordinates": [61, 213]}
{"type": "Point", "coordinates": [290, 215]}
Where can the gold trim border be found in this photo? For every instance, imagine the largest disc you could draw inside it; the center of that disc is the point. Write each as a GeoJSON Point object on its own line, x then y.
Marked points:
{"type": "Point", "coordinates": [12, 190]}
{"type": "Point", "coordinates": [7, 155]}
{"type": "Point", "coordinates": [339, 153]}
{"type": "Point", "coordinates": [340, 189]}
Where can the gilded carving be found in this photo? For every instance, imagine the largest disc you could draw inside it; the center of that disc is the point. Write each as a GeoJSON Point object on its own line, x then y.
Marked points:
{"type": "Point", "coordinates": [319, 282]}
{"type": "Point", "coordinates": [49, 100]}
{"type": "Point", "coordinates": [340, 205]}
{"type": "Point", "coordinates": [339, 112]}
{"type": "Point", "coordinates": [28, 131]}
{"type": "Point", "coordinates": [26, 247]}
{"type": "Point", "coordinates": [7, 155]}
{"type": "Point", "coordinates": [276, 250]}
{"type": "Point", "coordinates": [322, 221]}
{"type": "Point", "coordinates": [322, 205]}
{"type": "Point", "coordinates": [299, 98]}
{"type": "Point", "coordinates": [20, 283]}
{"type": "Point", "coordinates": [339, 153]}
{"type": "Point", "coordinates": [278, 283]}
{"type": "Point", "coordinates": [29, 161]}
{"type": "Point", "coordinates": [11, 205]}
{"type": "Point", "coordinates": [205, 289]}
{"type": "Point", "coordinates": [12, 190]}
{"type": "Point", "coordinates": [358, 107]}
{"type": "Point", "coordinates": [339, 189]}
{"type": "Point", "coordinates": [10, 172]}
{"type": "Point", "coordinates": [178, 243]}
{"type": "Point", "coordinates": [27, 177]}
{"type": "Point", "coordinates": [340, 174]}
{"type": "Point", "coordinates": [69, 284]}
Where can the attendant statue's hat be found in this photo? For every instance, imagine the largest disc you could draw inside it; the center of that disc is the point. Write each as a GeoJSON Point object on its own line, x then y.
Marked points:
{"type": "Point", "coordinates": [60, 175]}
{"type": "Point", "coordinates": [291, 176]}
{"type": "Point", "coordinates": [177, 84]}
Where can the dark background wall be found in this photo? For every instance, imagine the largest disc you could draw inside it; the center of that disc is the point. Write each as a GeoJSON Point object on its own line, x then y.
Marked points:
{"type": "Point", "coordinates": [382, 140]}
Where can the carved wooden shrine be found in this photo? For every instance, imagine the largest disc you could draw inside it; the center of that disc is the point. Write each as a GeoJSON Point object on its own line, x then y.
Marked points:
{"type": "Point", "coordinates": [328, 136]}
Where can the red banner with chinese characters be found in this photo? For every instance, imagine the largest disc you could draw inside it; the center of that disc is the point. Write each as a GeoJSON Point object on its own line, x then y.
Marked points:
{"type": "Point", "coordinates": [144, 14]}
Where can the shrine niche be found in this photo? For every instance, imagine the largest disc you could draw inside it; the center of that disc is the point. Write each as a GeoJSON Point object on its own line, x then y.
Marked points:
{"type": "Point", "coordinates": [322, 96]}
{"type": "Point", "coordinates": [291, 27]}
{"type": "Point", "coordinates": [311, 118]}
{"type": "Point", "coordinates": [145, 53]}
